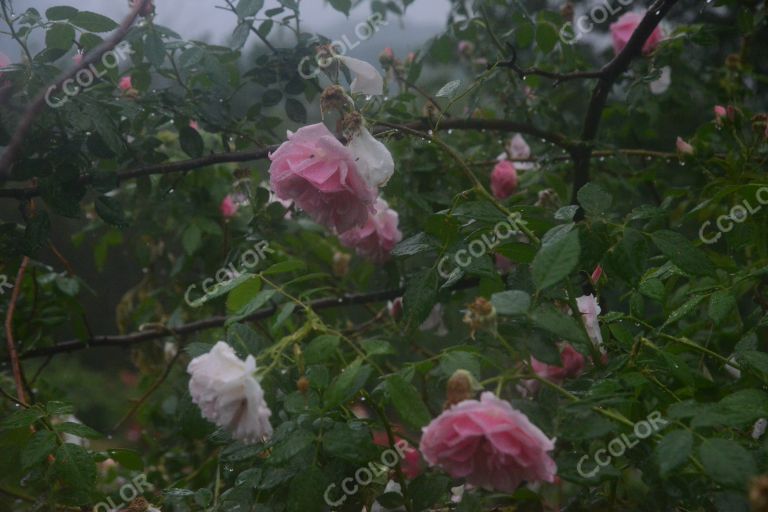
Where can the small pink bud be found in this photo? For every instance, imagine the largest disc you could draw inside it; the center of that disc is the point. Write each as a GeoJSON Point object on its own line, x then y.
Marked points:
{"type": "Point", "coordinates": [125, 83]}
{"type": "Point", "coordinates": [596, 274]}
{"type": "Point", "coordinates": [683, 147]}
{"type": "Point", "coordinates": [503, 179]}
{"type": "Point", "coordinates": [228, 207]}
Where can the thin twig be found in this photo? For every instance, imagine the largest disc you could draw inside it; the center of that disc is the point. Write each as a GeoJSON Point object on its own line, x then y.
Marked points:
{"type": "Point", "coordinates": [12, 353]}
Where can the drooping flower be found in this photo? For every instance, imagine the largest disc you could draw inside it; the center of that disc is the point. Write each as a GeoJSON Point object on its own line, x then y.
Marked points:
{"type": "Point", "coordinates": [683, 147]}
{"type": "Point", "coordinates": [490, 444]}
{"type": "Point", "coordinates": [590, 310]}
{"type": "Point", "coordinates": [572, 365]}
{"type": "Point", "coordinates": [661, 84]}
{"type": "Point", "coordinates": [367, 79]}
{"type": "Point", "coordinates": [378, 236]}
{"type": "Point", "coordinates": [228, 207]}
{"type": "Point", "coordinates": [374, 161]}
{"type": "Point", "coordinates": [228, 394]}
{"type": "Point", "coordinates": [125, 83]}
{"type": "Point", "coordinates": [503, 179]}
{"type": "Point", "coordinates": [320, 175]}
{"type": "Point", "coordinates": [624, 27]}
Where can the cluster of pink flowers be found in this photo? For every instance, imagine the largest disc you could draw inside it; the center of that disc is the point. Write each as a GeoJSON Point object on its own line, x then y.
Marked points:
{"type": "Point", "coordinates": [337, 186]}
{"type": "Point", "coordinates": [625, 26]}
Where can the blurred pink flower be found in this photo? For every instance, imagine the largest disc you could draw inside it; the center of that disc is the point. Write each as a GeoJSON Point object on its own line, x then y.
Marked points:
{"type": "Point", "coordinates": [572, 365]}
{"type": "Point", "coordinates": [320, 175]}
{"type": "Point", "coordinates": [465, 48]}
{"type": "Point", "coordinates": [228, 207]}
{"type": "Point", "coordinates": [590, 310]}
{"type": "Point", "coordinates": [683, 147]}
{"type": "Point", "coordinates": [125, 83]}
{"type": "Point", "coordinates": [78, 58]}
{"type": "Point", "coordinates": [724, 113]}
{"type": "Point", "coordinates": [194, 124]}
{"type": "Point", "coordinates": [488, 443]}
{"type": "Point", "coordinates": [378, 236]}
{"type": "Point", "coordinates": [625, 26]}
{"type": "Point", "coordinates": [411, 462]}
{"type": "Point", "coordinates": [503, 179]}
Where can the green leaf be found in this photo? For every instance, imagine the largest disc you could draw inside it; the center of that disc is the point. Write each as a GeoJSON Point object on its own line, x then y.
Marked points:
{"type": "Point", "coordinates": [240, 34]}
{"type": "Point", "coordinates": [682, 253]}
{"type": "Point", "coordinates": [449, 90]}
{"type": "Point", "coordinates": [111, 211]}
{"type": "Point", "coordinates": [295, 111]}
{"type": "Point", "coordinates": [321, 349]}
{"type": "Point", "coordinates": [191, 239]}
{"type": "Point", "coordinates": [60, 35]}
{"type": "Point", "coordinates": [594, 199]}
{"type": "Point", "coordinates": [347, 384]}
{"type": "Point", "coordinates": [60, 12]}
{"type": "Point", "coordinates": [420, 295]}
{"type": "Point", "coordinates": [378, 347]}
{"type": "Point", "coordinates": [546, 36]}
{"type": "Point", "coordinates": [154, 48]}
{"type": "Point", "coordinates": [727, 462]}
{"type": "Point", "coordinates": [75, 471]}
{"type": "Point", "coordinates": [754, 358]}
{"type": "Point", "coordinates": [511, 302]}
{"type": "Point", "coordinates": [191, 142]}
{"type": "Point", "coordinates": [36, 234]}
{"type": "Point", "coordinates": [721, 303]}
{"type": "Point", "coordinates": [524, 34]}
{"type": "Point", "coordinates": [414, 245]}
{"type": "Point", "coordinates": [556, 260]}
{"type": "Point", "coordinates": [77, 429]}
{"type": "Point", "coordinates": [42, 444]}
{"type": "Point", "coordinates": [342, 6]}
{"type": "Point", "coordinates": [292, 265]}
{"type": "Point", "coordinates": [242, 293]}
{"type": "Point", "coordinates": [683, 310]}
{"type": "Point", "coordinates": [561, 325]}
{"type": "Point", "coordinates": [251, 307]}
{"type": "Point", "coordinates": [129, 459]}
{"type": "Point", "coordinates": [408, 402]}
{"type": "Point", "coordinates": [271, 97]}
{"type": "Point", "coordinates": [305, 492]}
{"type": "Point", "coordinates": [93, 22]}
{"type": "Point", "coordinates": [246, 8]}
{"type": "Point", "coordinates": [673, 451]}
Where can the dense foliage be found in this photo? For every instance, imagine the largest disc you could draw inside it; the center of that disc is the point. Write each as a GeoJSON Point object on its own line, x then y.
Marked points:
{"type": "Point", "coordinates": [635, 175]}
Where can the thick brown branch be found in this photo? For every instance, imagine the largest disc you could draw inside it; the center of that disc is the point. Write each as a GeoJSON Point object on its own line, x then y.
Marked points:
{"type": "Point", "coordinates": [20, 134]}
{"type": "Point", "coordinates": [608, 75]}
{"type": "Point", "coordinates": [258, 154]}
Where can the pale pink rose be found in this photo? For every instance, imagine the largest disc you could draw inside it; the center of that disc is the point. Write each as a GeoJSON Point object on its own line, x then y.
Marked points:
{"type": "Point", "coordinates": [590, 310]}
{"type": "Point", "coordinates": [125, 83]}
{"type": "Point", "coordinates": [228, 207]}
{"type": "Point", "coordinates": [625, 26]}
{"type": "Point", "coordinates": [488, 443]}
{"type": "Point", "coordinates": [683, 147]}
{"type": "Point", "coordinates": [377, 237]}
{"type": "Point", "coordinates": [320, 175]}
{"type": "Point", "coordinates": [572, 366]}
{"type": "Point", "coordinates": [503, 179]}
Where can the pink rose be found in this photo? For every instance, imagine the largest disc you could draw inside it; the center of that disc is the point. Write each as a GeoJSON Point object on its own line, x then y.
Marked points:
{"type": "Point", "coordinates": [572, 366]}
{"type": "Point", "coordinates": [194, 124]}
{"type": "Point", "coordinates": [590, 311]}
{"type": "Point", "coordinates": [722, 114]}
{"type": "Point", "coordinates": [378, 236]}
{"type": "Point", "coordinates": [125, 83]}
{"type": "Point", "coordinates": [490, 444]}
{"type": "Point", "coordinates": [503, 179]}
{"type": "Point", "coordinates": [625, 26]}
{"type": "Point", "coordinates": [410, 464]}
{"type": "Point", "coordinates": [228, 207]}
{"type": "Point", "coordinates": [319, 174]}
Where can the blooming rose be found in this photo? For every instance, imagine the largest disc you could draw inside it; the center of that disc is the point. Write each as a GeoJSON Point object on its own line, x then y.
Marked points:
{"type": "Point", "coordinates": [490, 444]}
{"type": "Point", "coordinates": [228, 394]}
{"type": "Point", "coordinates": [320, 175]}
{"type": "Point", "coordinates": [378, 236]}
{"type": "Point", "coordinates": [228, 207]}
{"type": "Point", "coordinates": [503, 179]}
{"type": "Point", "coordinates": [367, 80]}
{"type": "Point", "coordinates": [590, 309]}
{"type": "Point", "coordinates": [625, 26]}
{"type": "Point", "coordinates": [572, 366]}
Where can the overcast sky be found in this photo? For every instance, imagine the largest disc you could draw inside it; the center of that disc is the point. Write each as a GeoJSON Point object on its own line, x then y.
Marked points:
{"type": "Point", "coordinates": [201, 19]}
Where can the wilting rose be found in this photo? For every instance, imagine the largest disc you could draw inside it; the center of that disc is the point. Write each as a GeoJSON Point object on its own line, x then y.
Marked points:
{"type": "Point", "coordinates": [624, 27]}
{"type": "Point", "coordinates": [320, 175]}
{"type": "Point", "coordinates": [572, 366]}
{"type": "Point", "coordinates": [488, 443]}
{"type": "Point", "coordinates": [366, 79]}
{"type": "Point", "coordinates": [228, 394]}
{"type": "Point", "coordinates": [503, 179]}
{"type": "Point", "coordinates": [377, 237]}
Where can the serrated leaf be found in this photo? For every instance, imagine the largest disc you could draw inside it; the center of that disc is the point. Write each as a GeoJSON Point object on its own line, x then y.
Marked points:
{"type": "Point", "coordinates": [682, 253]}
{"type": "Point", "coordinates": [721, 303]}
{"type": "Point", "coordinates": [408, 402]}
{"type": "Point", "coordinates": [727, 462]}
{"type": "Point", "coordinates": [449, 90]}
{"type": "Point", "coordinates": [77, 429]}
{"type": "Point", "coordinates": [93, 22]}
{"type": "Point", "coordinates": [511, 302]}
{"type": "Point", "coordinates": [594, 199]}
{"type": "Point", "coordinates": [673, 451]}
{"type": "Point", "coordinates": [111, 211]}
{"type": "Point", "coordinates": [555, 261]}
{"type": "Point", "coordinates": [60, 12]}
{"type": "Point", "coordinates": [75, 470]}
{"type": "Point", "coordinates": [42, 444]}
{"type": "Point", "coordinates": [60, 36]}
{"type": "Point", "coordinates": [347, 384]}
